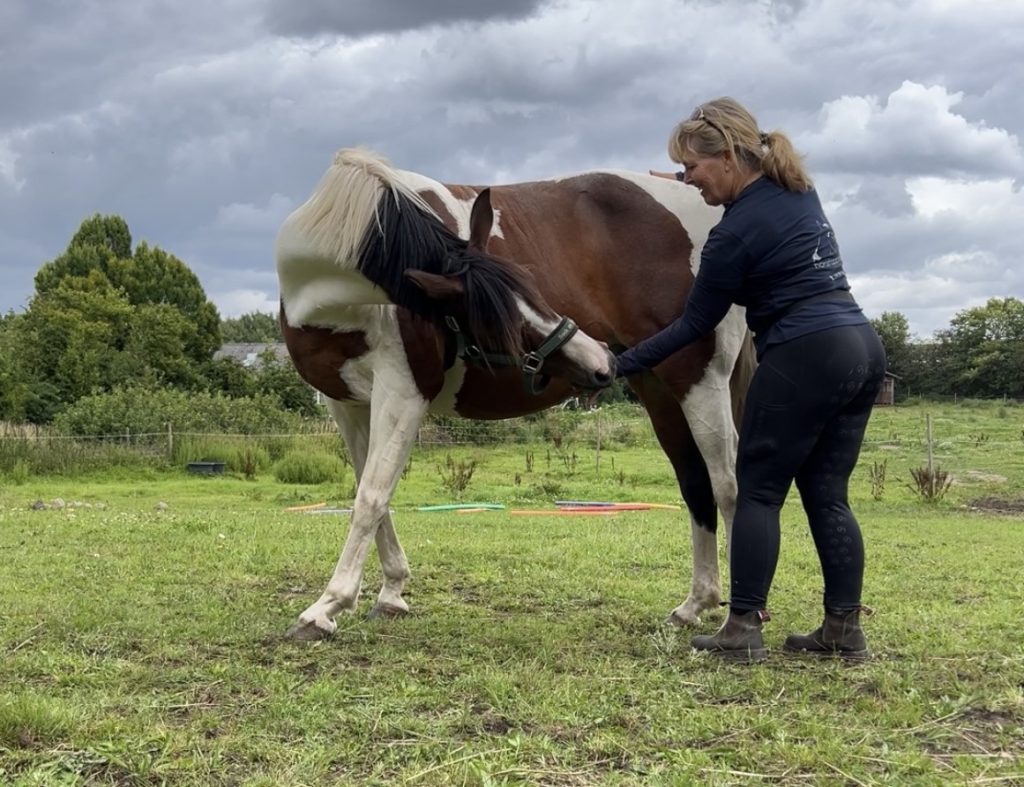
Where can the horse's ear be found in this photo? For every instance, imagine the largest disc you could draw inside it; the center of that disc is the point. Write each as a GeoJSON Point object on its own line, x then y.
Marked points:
{"type": "Point", "coordinates": [437, 286]}
{"type": "Point", "coordinates": [481, 218]}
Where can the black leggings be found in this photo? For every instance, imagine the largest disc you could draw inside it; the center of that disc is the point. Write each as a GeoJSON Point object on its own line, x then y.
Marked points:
{"type": "Point", "coordinates": [805, 416]}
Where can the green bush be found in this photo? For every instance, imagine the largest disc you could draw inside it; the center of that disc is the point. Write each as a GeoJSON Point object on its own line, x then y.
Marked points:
{"type": "Point", "coordinates": [204, 449]}
{"type": "Point", "coordinates": [240, 454]}
{"type": "Point", "coordinates": [137, 410]}
{"type": "Point", "coordinates": [309, 468]}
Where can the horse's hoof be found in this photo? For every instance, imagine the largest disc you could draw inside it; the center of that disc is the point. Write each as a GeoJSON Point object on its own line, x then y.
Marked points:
{"type": "Point", "coordinates": [682, 619]}
{"type": "Point", "coordinates": [386, 611]}
{"type": "Point", "coordinates": [308, 632]}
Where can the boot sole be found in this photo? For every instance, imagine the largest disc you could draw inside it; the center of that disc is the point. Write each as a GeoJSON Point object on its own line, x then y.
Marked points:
{"type": "Point", "coordinates": [845, 655]}
{"type": "Point", "coordinates": [750, 656]}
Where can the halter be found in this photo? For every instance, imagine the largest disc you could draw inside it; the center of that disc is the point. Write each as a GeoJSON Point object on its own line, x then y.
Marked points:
{"type": "Point", "coordinates": [530, 364]}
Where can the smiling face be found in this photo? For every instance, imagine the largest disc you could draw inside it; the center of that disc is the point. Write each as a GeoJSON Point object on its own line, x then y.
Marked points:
{"type": "Point", "coordinates": [711, 175]}
{"type": "Point", "coordinates": [720, 148]}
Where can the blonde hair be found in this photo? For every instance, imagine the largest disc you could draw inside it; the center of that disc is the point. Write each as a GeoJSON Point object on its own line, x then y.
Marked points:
{"type": "Point", "coordinates": [723, 125]}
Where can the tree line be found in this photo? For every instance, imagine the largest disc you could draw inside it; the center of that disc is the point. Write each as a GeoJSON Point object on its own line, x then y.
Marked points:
{"type": "Point", "coordinates": [980, 354]}
{"type": "Point", "coordinates": [106, 315]}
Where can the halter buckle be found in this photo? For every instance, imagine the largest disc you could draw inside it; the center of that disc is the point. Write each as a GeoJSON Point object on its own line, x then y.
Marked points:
{"type": "Point", "coordinates": [532, 363]}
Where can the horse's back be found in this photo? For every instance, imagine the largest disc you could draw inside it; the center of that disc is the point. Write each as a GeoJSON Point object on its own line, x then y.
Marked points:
{"type": "Point", "coordinates": [618, 251]}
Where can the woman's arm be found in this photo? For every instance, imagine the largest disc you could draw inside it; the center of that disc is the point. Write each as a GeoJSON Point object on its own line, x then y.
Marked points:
{"type": "Point", "coordinates": [720, 276]}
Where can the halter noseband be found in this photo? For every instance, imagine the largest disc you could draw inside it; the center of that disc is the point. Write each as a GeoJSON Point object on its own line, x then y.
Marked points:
{"type": "Point", "coordinates": [530, 364]}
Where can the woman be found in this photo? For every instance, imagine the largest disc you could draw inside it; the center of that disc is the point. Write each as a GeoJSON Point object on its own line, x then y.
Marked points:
{"type": "Point", "coordinates": [820, 367]}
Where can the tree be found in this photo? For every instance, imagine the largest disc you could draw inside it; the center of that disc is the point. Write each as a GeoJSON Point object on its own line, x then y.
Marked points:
{"type": "Point", "coordinates": [152, 276]}
{"type": "Point", "coordinates": [155, 348]}
{"type": "Point", "coordinates": [98, 241]}
{"type": "Point", "coordinates": [68, 342]}
{"type": "Point", "coordinates": [108, 232]}
{"type": "Point", "coordinates": [251, 327]}
{"type": "Point", "coordinates": [985, 348]}
{"type": "Point", "coordinates": [280, 379]}
{"type": "Point", "coordinates": [148, 276]}
{"type": "Point", "coordinates": [894, 331]}
{"type": "Point", "coordinates": [104, 316]}
{"type": "Point", "coordinates": [10, 409]}
{"type": "Point", "coordinates": [227, 376]}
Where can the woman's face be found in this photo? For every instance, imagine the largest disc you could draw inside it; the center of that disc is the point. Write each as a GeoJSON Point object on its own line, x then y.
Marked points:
{"type": "Point", "coordinates": [712, 175]}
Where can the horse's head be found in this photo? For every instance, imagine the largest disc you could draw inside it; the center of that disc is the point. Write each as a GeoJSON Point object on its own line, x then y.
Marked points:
{"type": "Point", "coordinates": [502, 319]}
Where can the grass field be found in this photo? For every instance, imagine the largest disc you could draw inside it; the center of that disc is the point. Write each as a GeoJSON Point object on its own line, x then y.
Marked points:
{"type": "Point", "coordinates": [143, 646]}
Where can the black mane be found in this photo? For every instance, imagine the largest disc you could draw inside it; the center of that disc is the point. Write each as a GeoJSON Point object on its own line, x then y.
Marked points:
{"type": "Point", "coordinates": [407, 238]}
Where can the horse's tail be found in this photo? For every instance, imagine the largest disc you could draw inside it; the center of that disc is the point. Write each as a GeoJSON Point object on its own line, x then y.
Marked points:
{"type": "Point", "coordinates": [742, 374]}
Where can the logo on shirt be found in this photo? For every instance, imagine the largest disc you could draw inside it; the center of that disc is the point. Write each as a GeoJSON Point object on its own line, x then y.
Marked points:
{"type": "Point", "coordinates": [826, 251]}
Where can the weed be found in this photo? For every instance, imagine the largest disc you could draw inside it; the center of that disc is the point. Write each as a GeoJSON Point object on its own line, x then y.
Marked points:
{"type": "Point", "coordinates": [877, 475]}
{"type": "Point", "coordinates": [931, 485]}
{"type": "Point", "coordinates": [20, 472]}
{"type": "Point", "coordinates": [456, 475]}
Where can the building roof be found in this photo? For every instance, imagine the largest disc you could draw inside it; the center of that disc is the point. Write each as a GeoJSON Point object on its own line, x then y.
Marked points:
{"type": "Point", "coordinates": [248, 353]}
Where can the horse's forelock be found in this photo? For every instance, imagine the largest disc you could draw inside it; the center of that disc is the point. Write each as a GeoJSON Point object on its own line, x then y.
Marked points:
{"type": "Point", "coordinates": [492, 289]}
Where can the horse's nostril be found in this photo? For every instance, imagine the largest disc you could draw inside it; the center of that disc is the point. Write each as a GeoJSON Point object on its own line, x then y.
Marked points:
{"type": "Point", "coordinates": [603, 379]}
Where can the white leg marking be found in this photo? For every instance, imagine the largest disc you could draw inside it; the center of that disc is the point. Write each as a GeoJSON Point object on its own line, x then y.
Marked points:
{"type": "Point", "coordinates": [708, 411]}
{"type": "Point", "coordinates": [395, 415]}
{"type": "Point", "coordinates": [354, 422]}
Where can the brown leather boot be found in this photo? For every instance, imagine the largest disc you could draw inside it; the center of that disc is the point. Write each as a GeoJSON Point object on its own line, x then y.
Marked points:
{"type": "Point", "coordinates": [739, 639]}
{"type": "Point", "coordinates": [839, 636]}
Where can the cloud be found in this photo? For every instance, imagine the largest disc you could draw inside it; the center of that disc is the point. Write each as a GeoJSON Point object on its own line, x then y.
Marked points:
{"type": "Point", "coordinates": [202, 139]}
{"type": "Point", "coordinates": [8, 164]}
{"type": "Point", "coordinates": [235, 303]}
{"type": "Point", "coordinates": [361, 17]}
{"type": "Point", "coordinates": [916, 127]}
{"type": "Point", "coordinates": [246, 217]}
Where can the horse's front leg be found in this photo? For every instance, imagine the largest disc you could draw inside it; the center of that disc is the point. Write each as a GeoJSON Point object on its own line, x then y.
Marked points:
{"type": "Point", "coordinates": [708, 411]}
{"type": "Point", "coordinates": [394, 421]}
{"type": "Point", "coordinates": [354, 422]}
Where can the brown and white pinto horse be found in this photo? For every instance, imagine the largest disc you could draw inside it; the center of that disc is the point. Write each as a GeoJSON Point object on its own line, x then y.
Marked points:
{"type": "Point", "coordinates": [383, 307]}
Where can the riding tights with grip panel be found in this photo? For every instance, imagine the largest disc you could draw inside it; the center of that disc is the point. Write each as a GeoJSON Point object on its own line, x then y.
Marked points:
{"type": "Point", "coordinates": [804, 420]}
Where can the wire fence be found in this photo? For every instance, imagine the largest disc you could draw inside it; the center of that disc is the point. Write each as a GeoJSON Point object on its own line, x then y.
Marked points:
{"type": "Point", "coordinates": [982, 440]}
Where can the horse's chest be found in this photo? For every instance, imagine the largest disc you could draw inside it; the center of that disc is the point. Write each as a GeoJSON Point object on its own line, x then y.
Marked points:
{"type": "Point", "coordinates": [345, 363]}
{"type": "Point", "coordinates": [319, 354]}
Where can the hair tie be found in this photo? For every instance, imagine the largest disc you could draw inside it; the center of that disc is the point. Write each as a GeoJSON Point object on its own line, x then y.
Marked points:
{"type": "Point", "coordinates": [764, 138]}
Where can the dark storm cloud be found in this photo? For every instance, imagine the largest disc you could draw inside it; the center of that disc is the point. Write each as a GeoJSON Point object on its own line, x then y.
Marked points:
{"type": "Point", "coordinates": [362, 17]}
{"type": "Point", "coordinates": [202, 129]}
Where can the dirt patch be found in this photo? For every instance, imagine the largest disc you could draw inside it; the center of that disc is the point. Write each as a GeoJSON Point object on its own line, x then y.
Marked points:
{"type": "Point", "coordinates": [988, 478]}
{"type": "Point", "coordinates": [998, 505]}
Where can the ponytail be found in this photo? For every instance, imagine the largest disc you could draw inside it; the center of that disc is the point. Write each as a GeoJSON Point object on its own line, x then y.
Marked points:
{"type": "Point", "coordinates": [725, 125]}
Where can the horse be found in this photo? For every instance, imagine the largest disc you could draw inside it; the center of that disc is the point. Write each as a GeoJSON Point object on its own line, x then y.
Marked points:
{"type": "Point", "coordinates": [402, 296]}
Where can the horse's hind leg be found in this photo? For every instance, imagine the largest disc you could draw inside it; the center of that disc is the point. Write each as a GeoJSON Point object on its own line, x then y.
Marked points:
{"type": "Point", "coordinates": [393, 421]}
{"type": "Point", "coordinates": [675, 438]}
{"type": "Point", "coordinates": [354, 423]}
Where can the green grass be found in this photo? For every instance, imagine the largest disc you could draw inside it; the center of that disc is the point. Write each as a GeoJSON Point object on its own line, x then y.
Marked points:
{"type": "Point", "coordinates": [143, 646]}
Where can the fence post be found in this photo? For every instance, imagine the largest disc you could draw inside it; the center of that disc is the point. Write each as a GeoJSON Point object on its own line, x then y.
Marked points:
{"type": "Point", "coordinates": [170, 441]}
{"type": "Point", "coordinates": [931, 468]}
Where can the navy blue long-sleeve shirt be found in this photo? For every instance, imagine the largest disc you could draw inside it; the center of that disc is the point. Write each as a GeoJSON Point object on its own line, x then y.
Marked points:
{"type": "Point", "coordinates": [771, 249]}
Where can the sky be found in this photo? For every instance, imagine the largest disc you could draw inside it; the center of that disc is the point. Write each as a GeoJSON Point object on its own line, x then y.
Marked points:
{"type": "Point", "coordinates": [203, 124]}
